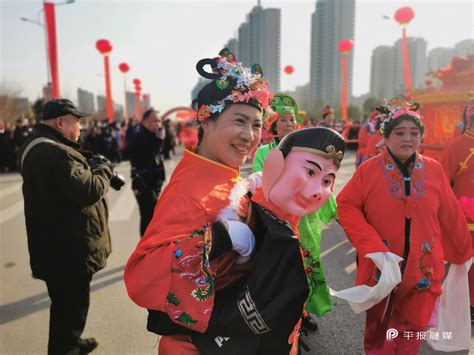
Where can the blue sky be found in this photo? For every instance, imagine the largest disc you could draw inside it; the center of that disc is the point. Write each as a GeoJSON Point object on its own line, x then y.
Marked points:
{"type": "Point", "coordinates": [163, 40]}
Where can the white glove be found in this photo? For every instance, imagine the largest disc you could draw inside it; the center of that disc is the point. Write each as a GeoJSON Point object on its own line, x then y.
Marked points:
{"type": "Point", "coordinates": [254, 181]}
{"type": "Point", "coordinates": [243, 240]}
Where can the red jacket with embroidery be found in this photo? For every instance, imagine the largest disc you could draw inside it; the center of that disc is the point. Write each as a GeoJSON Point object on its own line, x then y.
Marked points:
{"type": "Point", "coordinates": [458, 163]}
{"type": "Point", "coordinates": [372, 209]}
{"type": "Point", "coordinates": [170, 270]}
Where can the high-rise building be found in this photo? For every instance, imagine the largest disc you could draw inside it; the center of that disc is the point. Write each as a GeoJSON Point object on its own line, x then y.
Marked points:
{"type": "Point", "coordinates": [418, 63]}
{"type": "Point", "coordinates": [439, 57]}
{"type": "Point", "coordinates": [118, 112]}
{"type": "Point", "coordinates": [47, 92]}
{"type": "Point", "coordinates": [382, 72]}
{"type": "Point", "coordinates": [233, 46]}
{"type": "Point", "coordinates": [464, 48]}
{"type": "Point", "coordinates": [85, 101]}
{"type": "Point", "coordinates": [332, 21]}
{"type": "Point", "coordinates": [259, 43]}
{"type": "Point", "coordinates": [146, 102]}
{"type": "Point", "coordinates": [22, 104]}
{"type": "Point", "coordinates": [130, 97]}
{"type": "Point", "coordinates": [101, 104]}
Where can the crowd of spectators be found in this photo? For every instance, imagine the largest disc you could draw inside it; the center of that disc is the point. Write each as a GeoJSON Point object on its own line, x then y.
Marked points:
{"type": "Point", "coordinates": [99, 137]}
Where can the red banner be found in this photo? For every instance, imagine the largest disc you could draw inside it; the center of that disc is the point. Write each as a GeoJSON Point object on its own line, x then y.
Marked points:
{"type": "Point", "coordinates": [50, 23]}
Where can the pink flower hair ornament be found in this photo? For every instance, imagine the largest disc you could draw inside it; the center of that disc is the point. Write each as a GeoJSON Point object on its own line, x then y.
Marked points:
{"type": "Point", "coordinates": [396, 107]}
{"type": "Point", "coordinates": [247, 84]}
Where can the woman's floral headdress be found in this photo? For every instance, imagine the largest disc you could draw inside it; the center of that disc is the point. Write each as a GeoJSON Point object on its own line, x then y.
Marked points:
{"type": "Point", "coordinates": [248, 83]}
{"type": "Point", "coordinates": [398, 106]}
{"type": "Point", "coordinates": [280, 105]}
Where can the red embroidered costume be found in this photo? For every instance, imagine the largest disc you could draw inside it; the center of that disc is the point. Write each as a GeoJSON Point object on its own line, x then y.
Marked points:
{"type": "Point", "coordinates": [170, 270]}
{"type": "Point", "coordinates": [458, 163]}
{"type": "Point", "coordinates": [426, 223]}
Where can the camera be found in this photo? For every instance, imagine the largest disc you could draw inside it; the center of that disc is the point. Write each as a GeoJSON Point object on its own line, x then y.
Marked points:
{"type": "Point", "coordinates": [117, 180]}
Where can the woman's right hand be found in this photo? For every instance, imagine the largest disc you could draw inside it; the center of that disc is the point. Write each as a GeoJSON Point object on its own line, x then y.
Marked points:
{"type": "Point", "coordinates": [243, 240]}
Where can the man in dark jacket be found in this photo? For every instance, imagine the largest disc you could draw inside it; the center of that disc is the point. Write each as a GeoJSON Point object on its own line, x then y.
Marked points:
{"type": "Point", "coordinates": [66, 221]}
{"type": "Point", "coordinates": [148, 171]}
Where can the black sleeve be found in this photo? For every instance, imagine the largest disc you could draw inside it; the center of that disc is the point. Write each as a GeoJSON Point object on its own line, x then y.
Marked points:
{"type": "Point", "coordinates": [221, 242]}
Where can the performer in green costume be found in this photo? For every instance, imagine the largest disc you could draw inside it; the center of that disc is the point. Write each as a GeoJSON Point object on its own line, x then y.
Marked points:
{"type": "Point", "coordinates": [280, 124]}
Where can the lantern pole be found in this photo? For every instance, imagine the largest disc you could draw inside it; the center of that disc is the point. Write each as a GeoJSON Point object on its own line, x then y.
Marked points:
{"type": "Point", "coordinates": [345, 46]}
{"type": "Point", "coordinates": [406, 61]}
{"type": "Point", "coordinates": [124, 68]}
{"type": "Point", "coordinates": [344, 86]}
{"type": "Point", "coordinates": [125, 115]}
{"type": "Point", "coordinates": [403, 16]}
{"type": "Point", "coordinates": [108, 89]}
{"type": "Point", "coordinates": [104, 47]}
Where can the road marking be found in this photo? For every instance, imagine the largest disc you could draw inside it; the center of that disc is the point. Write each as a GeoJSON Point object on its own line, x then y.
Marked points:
{"type": "Point", "coordinates": [11, 212]}
{"type": "Point", "coordinates": [10, 190]}
{"type": "Point", "coordinates": [351, 250]}
{"type": "Point", "coordinates": [350, 268]}
{"type": "Point", "coordinates": [123, 208]}
{"type": "Point", "coordinates": [326, 252]}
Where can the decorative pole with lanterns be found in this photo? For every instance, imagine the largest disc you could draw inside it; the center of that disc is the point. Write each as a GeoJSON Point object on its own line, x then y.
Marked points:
{"type": "Point", "coordinates": [344, 47]}
{"type": "Point", "coordinates": [138, 104]}
{"type": "Point", "coordinates": [104, 47]}
{"type": "Point", "coordinates": [124, 68]}
{"type": "Point", "coordinates": [403, 16]}
{"type": "Point", "coordinates": [50, 27]}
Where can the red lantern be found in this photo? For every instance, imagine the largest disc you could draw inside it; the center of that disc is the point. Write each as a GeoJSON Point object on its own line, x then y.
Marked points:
{"type": "Point", "coordinates": [289, 69]}
{"type": "Point", "coordinates": [428, 82]}
{"type": "Point", "coordinates": [345, 46]}
{"type": "Point", "coordinates": [123, 67]}
{"type": "Point", "coordinates": [137, 82]}
{"type": "Point", "coordinates": [404, 15]}
{"type": "Point", "coordinates": [103, 46]}
{"type": "Point", "coordinates": [145, 97]}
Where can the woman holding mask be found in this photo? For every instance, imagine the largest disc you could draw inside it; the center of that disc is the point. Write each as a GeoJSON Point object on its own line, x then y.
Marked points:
{"type": "Point", "coordinates": [187, 254]}
{"type": "Point", "coordinates": [399, 206]}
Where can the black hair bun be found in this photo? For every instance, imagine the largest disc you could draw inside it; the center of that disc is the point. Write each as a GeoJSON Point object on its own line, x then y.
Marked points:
{"type": "Point", "coordinates": [207, 61]}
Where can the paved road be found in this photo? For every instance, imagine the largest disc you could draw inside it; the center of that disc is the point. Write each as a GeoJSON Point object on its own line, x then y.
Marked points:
{"type": "Point", "coordinates": [113, 318]}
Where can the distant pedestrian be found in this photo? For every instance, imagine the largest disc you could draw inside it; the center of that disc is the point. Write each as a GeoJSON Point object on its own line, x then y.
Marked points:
{"type": "Point", "coordinates": [148, 171]}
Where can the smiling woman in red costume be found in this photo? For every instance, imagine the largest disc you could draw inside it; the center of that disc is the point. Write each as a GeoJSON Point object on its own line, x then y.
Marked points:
{"type": "Point", "coordinates": [186, 254]}
{"type": "Point", "coordinates": [399, 205]}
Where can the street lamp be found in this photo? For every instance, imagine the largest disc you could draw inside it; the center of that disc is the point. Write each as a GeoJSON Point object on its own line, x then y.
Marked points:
{"type": "Point", "coordinates": [49, 28]}
{"type": "Point", "coordinates": [37, 23]}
